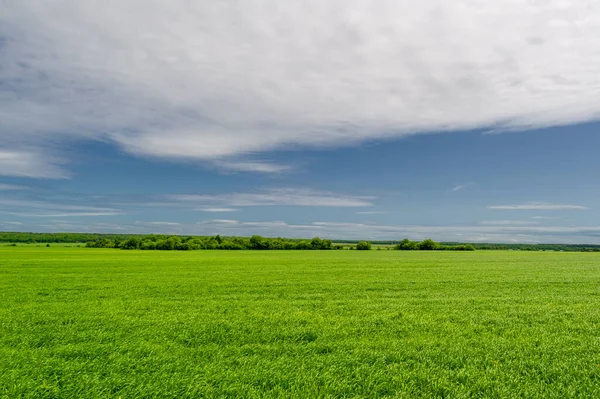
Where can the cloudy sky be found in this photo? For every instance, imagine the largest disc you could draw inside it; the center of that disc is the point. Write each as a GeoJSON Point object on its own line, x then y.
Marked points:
{"type": "Point", "coordinates": [466, 121]}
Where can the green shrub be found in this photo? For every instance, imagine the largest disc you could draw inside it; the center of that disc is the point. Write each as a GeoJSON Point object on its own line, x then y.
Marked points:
{"type": "Point", "coordinates": [428, 245]}
{"type": "Point", "coordinates": [363, 246]}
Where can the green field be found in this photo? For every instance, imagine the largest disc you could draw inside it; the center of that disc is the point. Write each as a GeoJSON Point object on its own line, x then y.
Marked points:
{"type": "Point", "coordinates": [95, 323]}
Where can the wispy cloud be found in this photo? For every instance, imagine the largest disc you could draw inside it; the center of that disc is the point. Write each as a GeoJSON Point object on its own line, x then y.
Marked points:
{"type": "Point", "coordinates": [218, 209]}
{"type": "Point", "coordinates": [158, 223]}
{"type": "Point", "coordinates": [341, 73]}
{"type": "Point", "coordinates": [458, 187]}
{"type": "Point", "coordinates": [30, 208]}
{"type": "Point", "coordinates": [509, 222]}
{"type": "Point", "coordinates": [30, 164]}
{"type": "Point", "coordinates": [252, 166]}
{"type": "Point", "coordinates": [221, 221]}
{"type": "Point", "coordinates": [537, 206]}
{"type": "Point", "coordinates": [371, 212]}
{"type": "Point", "coordinates": [11, 187]}
{"type": "Point", "coordinates": [62, 214]}
{"type": "Point", "coordinates": [278, 197]}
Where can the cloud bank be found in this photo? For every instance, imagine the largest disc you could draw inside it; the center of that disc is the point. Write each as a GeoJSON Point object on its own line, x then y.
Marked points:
{"type": "Point", "coordinates": [537, 206]}
{"type": "Point", "coordinates": [221, 81]}
{"type": "Point", "coordinates": [272, 197]}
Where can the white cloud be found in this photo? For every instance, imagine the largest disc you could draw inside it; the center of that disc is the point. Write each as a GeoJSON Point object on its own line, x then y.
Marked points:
{"type": "Point", "coordinates": [458, 187]}
{"type": "Point", "coordinates": [158, 223]}
{"type": "Point", "coordinates": [222, 221]}
{"type": "Point", "coordinates": [29, 163]}
{"type": "Point", "coordinates": [277, 197]}
{"type": "Point", "coordinates": [371, 212]}
{"type": "Point", "coordinates": [231, 79]}
{"type": "Point", "coordinates": [218, 209]}
{"type": "Point", "coordinates": [252, 166]}
{"type": "Point", "coordinates": [537, 206]}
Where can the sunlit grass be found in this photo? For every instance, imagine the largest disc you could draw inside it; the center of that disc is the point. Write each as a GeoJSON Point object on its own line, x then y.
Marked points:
{"type": "Point", "coordinates": [77, 322]}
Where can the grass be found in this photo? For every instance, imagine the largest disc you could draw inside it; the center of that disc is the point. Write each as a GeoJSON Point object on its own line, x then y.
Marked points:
{"type": "Point", "coordinates": [93, 323]}
{"type": "Point", "coordinates": [57, 244]}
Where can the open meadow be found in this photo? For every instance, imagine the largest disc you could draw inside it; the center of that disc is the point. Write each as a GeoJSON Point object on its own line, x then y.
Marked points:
{"type": "Point", "coordinates": [104, 323]}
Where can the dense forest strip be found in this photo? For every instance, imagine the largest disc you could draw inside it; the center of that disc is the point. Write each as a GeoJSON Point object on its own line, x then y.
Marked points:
{"type": "Point", "coordinates": [183, 243]}
{"type": "Point", "coordinates": [186, 243]}
{"type": "Point", "coordinates": [174, 242]}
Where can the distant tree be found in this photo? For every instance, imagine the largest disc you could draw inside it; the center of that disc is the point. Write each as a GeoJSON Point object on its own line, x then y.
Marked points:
{"type": "Point", "coordinates": [363, 246]}
{"type": "Point", "coordinates": [131, 243]}
{"type": "Point", "coordinates": [168, 244]}
{"type": "Point", "coordinates": [47, 245]}
{"type": "Point", "coordinates": [173, 242]}
{"type": "Point", "coordinates": [183, 246]}
{"type": "Point", "coordinates": [233, 244]}
{"type": "Point", "coordinates": [278, 243]}
{"type": "Point", "coordinates": [258, 242]}
{"type": "Point", "coordinates": [162, 245]}
{"type": "Point", "coordinates": [428, 245]}
{"type": "Point", "coordinates": [289, 245]}
{"type": "Point", "coordinates": [148, 245]}
{"type": "Point", "coordinates": [406, 245]}
{"type": "Point", "coordinates": [208, 243]}
{"type": "Point", "coordinates": [316, 243]}
{"type": "Point", "coordinates": [303, 245]}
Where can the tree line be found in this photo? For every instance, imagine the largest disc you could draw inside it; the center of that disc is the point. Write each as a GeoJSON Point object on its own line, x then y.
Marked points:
{"type": "Point", "coordinates": [256, 242]}
{"type": "Point", "coordinates": [166, 242]}
{"type": "Point", "coordinates": [64, 238]}
{"type": "Point", "coordinates": [189, 243]}
{"type": "Point", "coordinates": [430, 245]}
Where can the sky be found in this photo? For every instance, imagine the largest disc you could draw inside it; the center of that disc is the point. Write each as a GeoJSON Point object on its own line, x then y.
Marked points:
{"type": "Point", "coordinates": [348, 119]}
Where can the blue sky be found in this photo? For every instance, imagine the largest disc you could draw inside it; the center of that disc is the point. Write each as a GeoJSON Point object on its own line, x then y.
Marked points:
{"type": "Point", "coordinates": [341, 123]}
{"type": "Point", "coordinates": [535, 186]}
